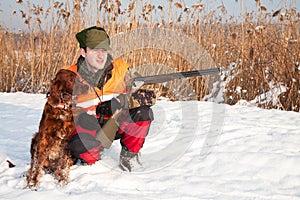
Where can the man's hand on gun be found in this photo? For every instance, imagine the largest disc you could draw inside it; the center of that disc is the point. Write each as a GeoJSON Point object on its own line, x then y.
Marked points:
{"type": "Point", "coordinates": [108, 108]}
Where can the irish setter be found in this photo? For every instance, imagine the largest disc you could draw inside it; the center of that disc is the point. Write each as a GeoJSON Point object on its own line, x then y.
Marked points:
{"type": "Point", "coordinates": [48, 150]}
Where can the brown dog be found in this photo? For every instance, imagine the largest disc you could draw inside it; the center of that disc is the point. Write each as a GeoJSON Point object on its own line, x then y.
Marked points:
{"type": "Point", "coordinates": [49, 145]}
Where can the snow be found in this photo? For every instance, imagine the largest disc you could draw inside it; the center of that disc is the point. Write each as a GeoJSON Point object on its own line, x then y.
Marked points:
{"type": "Point", "coordinates": [194, 150]}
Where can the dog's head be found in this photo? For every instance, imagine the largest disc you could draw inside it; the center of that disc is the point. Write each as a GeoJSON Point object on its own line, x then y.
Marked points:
{"type": "Point", "coordinates": [63, 87]}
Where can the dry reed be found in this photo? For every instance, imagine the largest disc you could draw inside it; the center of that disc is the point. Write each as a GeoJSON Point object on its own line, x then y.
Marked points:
{"type": "Point", "coordinates": [264, 45]}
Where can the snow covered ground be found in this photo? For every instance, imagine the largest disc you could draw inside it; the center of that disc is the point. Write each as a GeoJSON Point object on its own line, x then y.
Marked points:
{"type": "Point", "coordinates": [195, 150]}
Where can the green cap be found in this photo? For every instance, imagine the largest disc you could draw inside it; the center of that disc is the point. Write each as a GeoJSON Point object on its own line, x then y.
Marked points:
{"type": "Point", "coordinates": [93, 37]}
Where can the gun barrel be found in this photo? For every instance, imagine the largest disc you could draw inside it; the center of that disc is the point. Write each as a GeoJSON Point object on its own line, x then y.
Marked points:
{"type": "Point", "coordinates": [160, 78]}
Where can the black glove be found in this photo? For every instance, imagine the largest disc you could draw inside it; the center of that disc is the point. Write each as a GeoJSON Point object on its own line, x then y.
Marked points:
{"type": "Point", "coordinates": [108, 108]}
{"type": "Point", "coordinates": [105, 108]}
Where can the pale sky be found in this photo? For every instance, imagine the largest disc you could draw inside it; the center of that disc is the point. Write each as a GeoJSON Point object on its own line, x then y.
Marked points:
{"type": "Point", "coordinates": [15, 22]}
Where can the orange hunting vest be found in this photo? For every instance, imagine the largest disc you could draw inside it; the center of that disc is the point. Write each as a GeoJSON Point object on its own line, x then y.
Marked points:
{"type": "Point", "coordinates": [112, 88]}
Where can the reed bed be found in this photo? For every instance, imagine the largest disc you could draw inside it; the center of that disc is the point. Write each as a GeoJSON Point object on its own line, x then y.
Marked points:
{"type": "Point", "coordinates": [259, 51]}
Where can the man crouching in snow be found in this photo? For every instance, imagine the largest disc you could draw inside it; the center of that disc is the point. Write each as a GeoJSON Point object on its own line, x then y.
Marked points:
{"type": "Point", "coordinates": [108, 112]}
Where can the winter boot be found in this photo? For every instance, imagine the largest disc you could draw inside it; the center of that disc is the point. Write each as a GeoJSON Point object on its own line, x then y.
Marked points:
{"type": "Point", "coordinates": [129, 161]}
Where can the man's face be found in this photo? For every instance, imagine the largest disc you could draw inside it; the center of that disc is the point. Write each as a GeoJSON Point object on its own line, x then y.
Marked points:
{"type": "Point", "coordinates": [95, 58]}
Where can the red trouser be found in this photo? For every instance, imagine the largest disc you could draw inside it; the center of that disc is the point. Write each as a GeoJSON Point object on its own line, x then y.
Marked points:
{"type": "Point", "coordinates": [134, 129]}
{"type": "Point", "coordinates": [132, 133]}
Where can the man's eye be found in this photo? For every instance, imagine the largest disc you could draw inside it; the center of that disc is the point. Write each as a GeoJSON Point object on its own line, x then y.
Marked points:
{"type": "Point", "coordinates": [100, 50]}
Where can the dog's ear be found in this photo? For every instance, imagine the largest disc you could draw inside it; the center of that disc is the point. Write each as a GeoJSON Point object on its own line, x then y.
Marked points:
{"type": "Point", "coordinates": [54, 92]}
{"type": "Point", "coordinates": [69, 78]}
{"type": "Point", "coordinates": [79, 87]}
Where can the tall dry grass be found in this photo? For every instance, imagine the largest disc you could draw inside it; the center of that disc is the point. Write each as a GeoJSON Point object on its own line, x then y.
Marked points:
{"type": "Point", "coordinates": [264, 46]}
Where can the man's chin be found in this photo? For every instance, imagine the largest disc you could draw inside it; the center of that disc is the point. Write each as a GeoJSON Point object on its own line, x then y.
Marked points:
{"type": "Point", "coordinates": [99, 67]}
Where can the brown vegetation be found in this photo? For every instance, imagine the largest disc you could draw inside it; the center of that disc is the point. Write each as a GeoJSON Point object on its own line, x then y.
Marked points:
{"type": "Point", "coordinates": [264, 47]}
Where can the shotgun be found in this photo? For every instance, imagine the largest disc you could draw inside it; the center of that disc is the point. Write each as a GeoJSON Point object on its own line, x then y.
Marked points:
{"type": "Point", "coordinates": [161, 78]}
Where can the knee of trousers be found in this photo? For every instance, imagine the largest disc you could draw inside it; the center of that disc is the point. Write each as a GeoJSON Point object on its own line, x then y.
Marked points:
{"type": "Point", "coordinates": [83, 145]}
{"type": "Point", "coordinates": [134, 134]}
